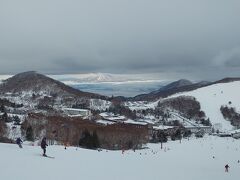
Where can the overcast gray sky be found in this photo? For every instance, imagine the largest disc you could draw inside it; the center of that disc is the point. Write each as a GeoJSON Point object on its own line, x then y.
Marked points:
{"type": "Point", "coordinates": [183, 38]}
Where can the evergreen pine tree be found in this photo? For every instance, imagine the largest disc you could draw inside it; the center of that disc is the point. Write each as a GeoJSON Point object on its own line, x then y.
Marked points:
{"type": "Point", "coordinates": [16, 120]}
{"type": "Point", "coordinates": [2, 108]}
{"type": "Point", "coordinates": [5, 117]}
{"type": "Point", "coordinates": [95, 140]}
{"type": "Point", "coordinates": [89, 141]}
{"type": "Point", "coordinates": [29, 134]}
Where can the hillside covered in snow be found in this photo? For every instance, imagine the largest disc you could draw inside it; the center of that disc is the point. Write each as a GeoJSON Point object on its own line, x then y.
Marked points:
{"type": "Point", "coordinates": [212, 97]}
{"type": "Point", "coordinates": [207, 100]}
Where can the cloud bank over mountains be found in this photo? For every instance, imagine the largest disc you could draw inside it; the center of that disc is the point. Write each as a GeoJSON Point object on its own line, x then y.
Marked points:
{"type": "Point", "coordinates": [189, 38]}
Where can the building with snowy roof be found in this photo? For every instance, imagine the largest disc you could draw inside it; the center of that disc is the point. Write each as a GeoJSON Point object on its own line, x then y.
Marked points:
{"type": "Point", "coordinates": [73, 112]}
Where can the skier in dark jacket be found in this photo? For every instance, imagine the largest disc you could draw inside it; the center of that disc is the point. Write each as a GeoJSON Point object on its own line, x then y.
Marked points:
{"type": "Point", "coordinates": [19, 142]}
{"type": "Point", "coordinates": [226, 168]}
{"type": "Point", "coordinates": [44, 145]}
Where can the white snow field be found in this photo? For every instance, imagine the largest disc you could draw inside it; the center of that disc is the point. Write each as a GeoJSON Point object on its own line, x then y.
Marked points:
{"type": "Point", "coordinates": [213, 97]}
{"type": "Point", "coordinates": [190, 160]}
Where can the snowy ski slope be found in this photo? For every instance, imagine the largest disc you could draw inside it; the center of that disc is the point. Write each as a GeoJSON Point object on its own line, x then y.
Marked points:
{"type": "Point", "coordinates": [189, 160]}
{"type": "Point", "coordinates": [213, 97]}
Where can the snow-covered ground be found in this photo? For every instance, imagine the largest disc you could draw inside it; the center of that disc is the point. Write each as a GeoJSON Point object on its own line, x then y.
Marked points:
{"type": "Point", "coordinates": [141, 105]}
{"type": "Point", "coordinates": [98, 104]}
{"type": "Point", "coordinates": [189, 160]}
{"type": "Point", "coordinates": [213, 97]}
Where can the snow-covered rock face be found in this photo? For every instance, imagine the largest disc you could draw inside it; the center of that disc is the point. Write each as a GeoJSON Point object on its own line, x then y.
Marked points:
{"type": "Point", "coordinates": [213, 97]}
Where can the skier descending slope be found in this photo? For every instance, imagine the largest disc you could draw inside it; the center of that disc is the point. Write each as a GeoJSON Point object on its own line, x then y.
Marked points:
{"type": "Point", "coordinates": [19, 142]}
{"type": "Point", "coordinates": [44, 146]}
{"type": "Point", "coordinates": [226, 168]}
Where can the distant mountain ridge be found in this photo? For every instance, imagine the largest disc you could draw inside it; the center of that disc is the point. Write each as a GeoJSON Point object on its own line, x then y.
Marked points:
{"type": "Point", "coordinates": [181, 85]}
{"type": "Point", "coordinates": [104, 78]}
{"type": "Point", "coordinates": [34, 82]}
{"type": "Point", "coordinates": [175, 84]}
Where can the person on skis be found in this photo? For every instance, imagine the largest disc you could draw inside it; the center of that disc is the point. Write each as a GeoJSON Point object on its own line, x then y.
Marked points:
{"type": "Point", "coordinates": [19, 142]}
{"type": "Point", "coordinates": [226, 167]}
{"type": "Point", "coordinates": [44, 145]}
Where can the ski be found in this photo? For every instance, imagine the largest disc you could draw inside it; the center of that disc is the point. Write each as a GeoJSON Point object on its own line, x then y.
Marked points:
{"type": "Point", "coordinates": [51, 157]}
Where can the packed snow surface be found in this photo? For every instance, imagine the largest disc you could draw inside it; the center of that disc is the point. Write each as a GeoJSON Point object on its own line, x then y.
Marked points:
{"type": "Point", "coordinates": [188, 160]}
